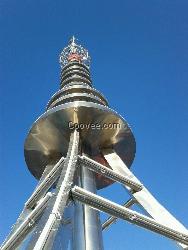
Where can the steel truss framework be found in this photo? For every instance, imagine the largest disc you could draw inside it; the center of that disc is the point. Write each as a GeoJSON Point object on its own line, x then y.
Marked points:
{"type": "Point", "coordinates": [58, 188]}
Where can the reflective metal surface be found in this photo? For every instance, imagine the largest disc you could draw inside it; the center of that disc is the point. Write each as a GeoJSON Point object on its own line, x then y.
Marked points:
{"type": "Point", "coordinates": [105, 205]}
{"type": "Point", "coordinates": [49, 136]}
{"type": "Point", "coordinates": [107, 172]}
{"type": "Point", "coordinates": [113, 219]}
{"type": "Point", "coordinates": [144, 197]}
{"type": "Point", "coordinates": [49, 231]}
{"type": "Point", "coordinates": [87, 226]}
{"type": "Point", "coordinates": [76, 97]}
{"type": "Point", "coordinates": [26, 226]}
{"type": "Point", "coordinates": [77, 88]}
{"type": "Point", "coordinates": [45, 183]}
{"type": "Point", "coordinates": [80, 141]}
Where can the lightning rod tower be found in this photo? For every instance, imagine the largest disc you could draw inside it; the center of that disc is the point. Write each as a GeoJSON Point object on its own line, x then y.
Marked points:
{"type": "Point", "coordinates": [78, 146]}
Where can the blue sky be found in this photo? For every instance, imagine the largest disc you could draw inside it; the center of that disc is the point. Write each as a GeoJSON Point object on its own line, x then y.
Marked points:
{"type": "Point", "coordinates": [139, 53]}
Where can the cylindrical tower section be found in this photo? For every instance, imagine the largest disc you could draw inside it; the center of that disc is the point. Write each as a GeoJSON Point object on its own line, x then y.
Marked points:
{"type": "Point", "coordinates": [87, 231]}
{"type": "Point", "coordinates": [78, 104]}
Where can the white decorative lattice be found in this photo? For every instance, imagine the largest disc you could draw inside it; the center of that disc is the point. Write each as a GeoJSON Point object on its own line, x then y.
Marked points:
{"type": "Point", "coordinates": [76, 52]}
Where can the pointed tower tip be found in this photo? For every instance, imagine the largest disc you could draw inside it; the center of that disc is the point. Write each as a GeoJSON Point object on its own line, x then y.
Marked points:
{"type": "Point", "coordinates": [72, 40]}
{"type": "Point", "coordinates": [74, 52]}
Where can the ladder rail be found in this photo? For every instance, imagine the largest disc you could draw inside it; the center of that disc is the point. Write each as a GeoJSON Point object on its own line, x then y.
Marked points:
{"type": "Point", "coordinates": [27, 224]}
{"type": "Point", "coordinates": [144, 197]}
{"type": "Point", "coordinates": [45, 184]}
{"type": "Point", "coordinates": [107, 172]}
{"type": "Point", "coordinates": [102, 204]}
{"type": "Point", "coordinates": [63, 189]}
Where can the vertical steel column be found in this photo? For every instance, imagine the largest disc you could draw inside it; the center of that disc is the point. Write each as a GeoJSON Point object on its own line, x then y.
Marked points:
{"type": "Point", "coordinates": [63, 188]}
{"type": "Point", "coordinates": [87, 226]}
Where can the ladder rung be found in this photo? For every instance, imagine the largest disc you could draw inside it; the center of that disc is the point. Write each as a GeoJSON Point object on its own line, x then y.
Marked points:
{"type": "Point", "coordinates": [107, 172]}
{"type": "Point", "coordinates": [102, 204]}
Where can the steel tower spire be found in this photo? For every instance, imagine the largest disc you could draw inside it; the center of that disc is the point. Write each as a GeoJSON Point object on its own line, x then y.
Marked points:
{"type": "Point", "coordinates": [80, 145]}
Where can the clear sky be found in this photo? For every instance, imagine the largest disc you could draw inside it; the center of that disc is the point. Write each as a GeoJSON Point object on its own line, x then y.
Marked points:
{"type": "Point", "coordinates": [139, 53]}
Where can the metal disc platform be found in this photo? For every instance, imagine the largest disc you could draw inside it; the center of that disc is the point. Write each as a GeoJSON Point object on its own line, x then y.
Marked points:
{"type": "Point", "coordinates": [49, 136]}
